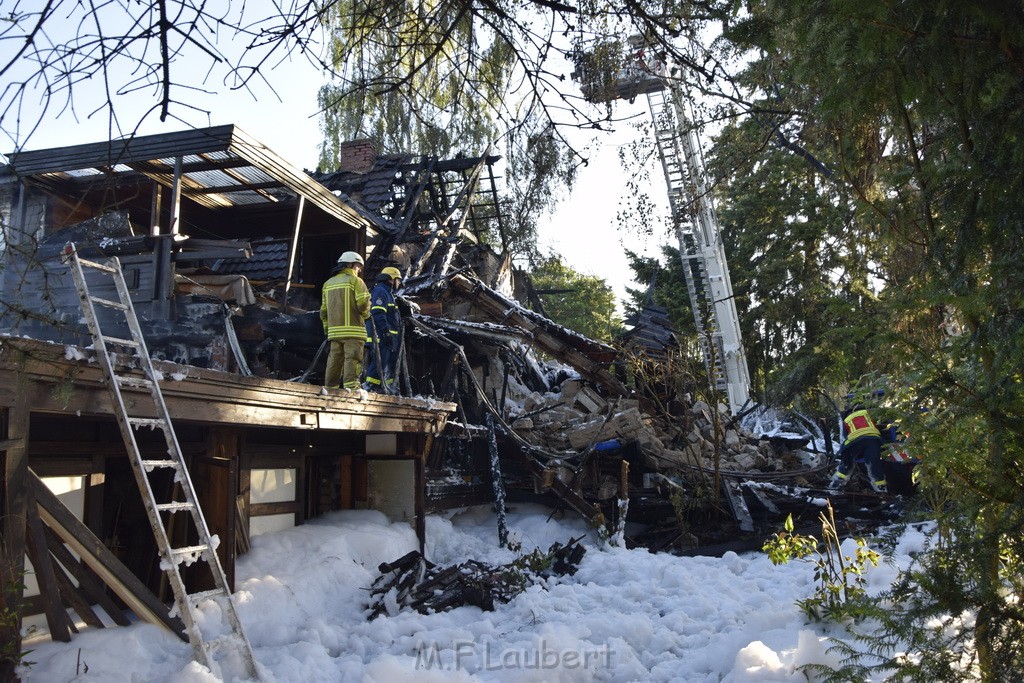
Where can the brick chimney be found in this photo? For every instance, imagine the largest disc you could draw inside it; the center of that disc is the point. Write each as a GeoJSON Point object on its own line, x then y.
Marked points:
{"type": "Point", "coordinates": [357, 156]}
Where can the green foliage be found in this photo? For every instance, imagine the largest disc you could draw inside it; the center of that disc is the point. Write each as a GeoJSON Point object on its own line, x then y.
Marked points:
{"type": "Point", "coordinates": [800, 274]}
{"type": "Point", "coordinates": [840, 578]}
{"type": "Point", "coordinates": [11, 654]}
{"type": "Point", "coordinates": [63, 390]}
{"type": "Point", "coordinates": [907, 120]}
{"type": "Point", "coordinates": [436, 79]}
{"type": "Point", "coordinates": [584, 303]}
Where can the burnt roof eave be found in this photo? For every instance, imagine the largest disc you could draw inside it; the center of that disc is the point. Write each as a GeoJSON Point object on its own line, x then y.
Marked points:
{"type": "Point", "coordinates": [228, 140]}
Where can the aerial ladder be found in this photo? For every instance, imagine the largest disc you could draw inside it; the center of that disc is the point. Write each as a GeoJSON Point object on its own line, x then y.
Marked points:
{"type": "Point", "coordinates": [694, 219]}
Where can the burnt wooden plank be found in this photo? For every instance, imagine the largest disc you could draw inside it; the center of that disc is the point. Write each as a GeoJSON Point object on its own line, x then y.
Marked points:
{"type": "Point", "coordinates": [734, 497]}
{"type": "Point", "coordinates": [564, 345]}
{"type": "Point", "coordinates": [762, 499]}
{"type": "Point", "coordinates": [56, 616]}
{"type": "Point", "coordinates": [87, 580]}
{"type": "Point", "coordinates": [70, 594]}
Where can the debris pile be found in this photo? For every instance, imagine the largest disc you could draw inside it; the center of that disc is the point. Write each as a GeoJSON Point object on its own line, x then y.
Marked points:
{"type": "Point", "coordinates": [413, 582]}
{"type": "Point", "coordinates": [576, 417]}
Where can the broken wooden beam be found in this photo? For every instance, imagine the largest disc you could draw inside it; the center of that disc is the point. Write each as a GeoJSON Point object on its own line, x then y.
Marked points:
{"type": "Point", "coordinates": [87, 580]}
{"type": "Point", "coordinates": [563, 344]}
{"type": "Point", "coordinates": [738, 506]}
{"type": "Point", "coordinates": [56, 616]}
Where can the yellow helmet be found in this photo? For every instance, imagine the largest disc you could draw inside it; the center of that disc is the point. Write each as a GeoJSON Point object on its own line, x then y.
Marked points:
{"type": "Point", "coordinates": [392, 273]}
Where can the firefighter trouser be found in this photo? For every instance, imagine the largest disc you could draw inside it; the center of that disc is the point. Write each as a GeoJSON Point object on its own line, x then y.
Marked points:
{"type": "Point", "coordinates": [344, 363]}
{"type": "Point", "coordinates": [869, 450]}
{"type": "Point", "coordinates": [373, 375]}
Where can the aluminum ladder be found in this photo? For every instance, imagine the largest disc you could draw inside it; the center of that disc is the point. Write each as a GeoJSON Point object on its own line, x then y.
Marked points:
{"type": "Point", "coordinates": [230, 644]}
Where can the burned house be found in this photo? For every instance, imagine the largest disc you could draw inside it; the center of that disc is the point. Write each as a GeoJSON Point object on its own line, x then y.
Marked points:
{"type": "Point", "coordinates": [181, 211]}
{"type": "Point", "coordinates": [223, 247]}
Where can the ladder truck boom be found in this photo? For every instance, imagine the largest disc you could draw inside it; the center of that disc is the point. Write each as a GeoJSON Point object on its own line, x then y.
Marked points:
{"type": "Point", "coordinates": [694, 220]}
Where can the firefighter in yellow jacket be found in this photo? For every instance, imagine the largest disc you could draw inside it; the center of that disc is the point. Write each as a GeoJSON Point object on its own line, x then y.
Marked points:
{"type": "Point", "coordinates": [344, 308]}
{"type": "Point", "coordinates": [862, 442]}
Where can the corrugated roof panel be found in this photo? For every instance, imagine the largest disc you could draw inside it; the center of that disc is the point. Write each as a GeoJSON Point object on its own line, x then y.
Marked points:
{"type": "Point", "coordinates": [245, 160]}
{"type": "Point", "coordinates": [247, 197]}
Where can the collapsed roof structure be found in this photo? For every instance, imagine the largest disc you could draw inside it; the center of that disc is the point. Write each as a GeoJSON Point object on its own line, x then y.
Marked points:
{"type": "Point", "coordinates": [224, 246]}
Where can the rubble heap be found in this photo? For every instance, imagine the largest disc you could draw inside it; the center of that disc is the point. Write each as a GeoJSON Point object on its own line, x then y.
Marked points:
{"type": "Point", "coordinates": [575, 417]}
{"type": "Point", "coordinates": [413, 582]}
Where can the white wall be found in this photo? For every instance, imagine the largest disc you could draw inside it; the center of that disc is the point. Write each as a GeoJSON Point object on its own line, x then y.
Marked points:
{"type": "Point", "coordinates": [272, 486]}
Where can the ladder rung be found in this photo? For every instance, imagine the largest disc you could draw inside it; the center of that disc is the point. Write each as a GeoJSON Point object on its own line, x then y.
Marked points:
{"type": "Point", "coordinates": [98, 266]}
{"type": "Point", "coordinates": [174, 507]}
{"type": "Point", "coordinates": [108, 303]}
{"type": "Point", "coordinates": [197, 598]}
{"type": "Point", "coordinates": [189, 550]}
{"type": "Point", "coordinates": [151, 422]}
{"type": "Point", "coordinates": [151, 465]}
{"type": "Point", "coordinates": [117, 340]}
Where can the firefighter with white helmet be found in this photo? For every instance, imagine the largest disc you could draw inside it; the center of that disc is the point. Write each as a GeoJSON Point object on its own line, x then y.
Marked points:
{"type": "Point", "coordinates": [344, 307]}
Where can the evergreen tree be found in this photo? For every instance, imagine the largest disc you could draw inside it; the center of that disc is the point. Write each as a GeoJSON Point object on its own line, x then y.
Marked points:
{"type": "Point", "coordinates": [669, 288]}
{"type": "Point", "coordinates": [916, 111]}
{"type": "Point", "coordinates": [800, 264]}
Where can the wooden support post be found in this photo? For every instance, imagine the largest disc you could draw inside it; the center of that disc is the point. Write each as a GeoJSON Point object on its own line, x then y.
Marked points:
{"type": "Point", "coordinates": [292, 251]}
{"type": "Point", "coordinates": [95, 485]}
{"type": "Point", "coordinates": [174, 224]}
{"type": "Point", "coordinates": [345, 491]}
{"type": "Point", "coordinates": [12, 543]}
{"type": "Point", "coordinates": [155, 208]}
{"type": "Point", "coordinates": [421, 499]}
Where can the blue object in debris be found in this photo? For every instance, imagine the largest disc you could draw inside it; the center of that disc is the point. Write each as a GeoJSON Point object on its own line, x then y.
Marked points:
{"type": "Point", "coordinates": [609, 445]}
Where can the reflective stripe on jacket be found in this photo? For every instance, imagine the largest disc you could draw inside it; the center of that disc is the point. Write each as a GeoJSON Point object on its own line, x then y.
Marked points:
{"type": "Point", "coordinates": [345, 304]}
{"type": "Point", "coordinates": [383, 314]}
{"type": "Point", "coordinates": [858, 424]}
